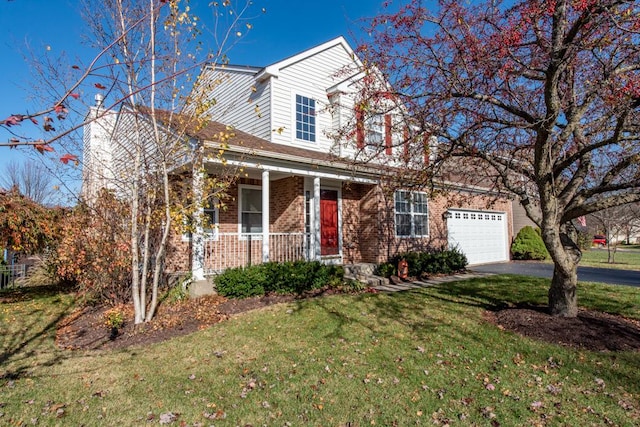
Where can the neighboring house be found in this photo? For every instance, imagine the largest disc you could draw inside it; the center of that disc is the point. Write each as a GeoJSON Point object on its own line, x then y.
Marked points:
{"type": "Point", "coordinates": [311, 190]}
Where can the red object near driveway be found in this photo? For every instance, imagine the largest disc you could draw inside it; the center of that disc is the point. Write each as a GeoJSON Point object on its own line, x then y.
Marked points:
{"type": "Point", "coordinates": [599, 240]}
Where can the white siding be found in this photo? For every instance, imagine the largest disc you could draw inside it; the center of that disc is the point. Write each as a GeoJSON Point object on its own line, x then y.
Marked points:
{"type": "Point", "coordinates": [134, 134]}
{"type": "Point", "coordinates": [240, 101]}
{"type": "Point", "coordinates": [310, 77]}
{"type": "Point", "coordinates": [97, 157]}
{"type": "Point", "coordinates": [266, 109]}
{"type": "Point", "coordinates": [347, 119]}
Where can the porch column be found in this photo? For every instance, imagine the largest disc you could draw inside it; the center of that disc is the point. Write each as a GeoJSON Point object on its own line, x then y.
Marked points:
{"type": "Point", "coordinates": [316, 218]}
{"type": "Point", "coordinates": [265, 216]}
{"type": "Point", "coordinates": [197, 235]}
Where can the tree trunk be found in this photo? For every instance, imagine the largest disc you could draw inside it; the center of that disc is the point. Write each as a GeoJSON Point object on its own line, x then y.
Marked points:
{"type": "Point", "coordinates": [161, 250]}
{"type": "Point", "coordinates": [563, 300]}
{"type": "Point", "coordinates": [138, 305]}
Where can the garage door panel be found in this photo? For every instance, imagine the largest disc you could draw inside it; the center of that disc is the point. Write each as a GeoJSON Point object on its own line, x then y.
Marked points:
{"type": "Point", "coordinates": [481, 236]}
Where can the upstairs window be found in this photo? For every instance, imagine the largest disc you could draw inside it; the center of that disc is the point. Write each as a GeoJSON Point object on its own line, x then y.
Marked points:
{"type": "Point", "coordinates": [305, 118]}
{"type": "Point", "coordinates": [411, 214]}
{"type": "Point", "coordinates": [373, 131]}
{"type": "Point", "coordinates": [374, 128]}
{"type": "Point", "coordinates": [419, 148]}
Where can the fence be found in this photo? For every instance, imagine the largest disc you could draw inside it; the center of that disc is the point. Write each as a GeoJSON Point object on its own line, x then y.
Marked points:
{"type": "Point", "coordinates": [10, 274]}
{"type": "Point", "coordinates": [230, 250]}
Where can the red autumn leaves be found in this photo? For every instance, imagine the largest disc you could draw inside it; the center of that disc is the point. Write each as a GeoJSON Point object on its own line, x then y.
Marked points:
{"type": "Point", "coordinates": [59, 109]}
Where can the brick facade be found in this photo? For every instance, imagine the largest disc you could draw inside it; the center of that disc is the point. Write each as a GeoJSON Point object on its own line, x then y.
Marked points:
{"type": "Point", "coordinates": [368, 229]}
{"type": "Point", "coordinates": [286, 213]}
{"type": "Point", "coordinates": [369, 223]}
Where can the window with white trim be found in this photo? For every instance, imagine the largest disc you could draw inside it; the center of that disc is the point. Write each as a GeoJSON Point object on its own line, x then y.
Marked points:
{"type": "Point", "coordinates": [411, 214]}
{"type": "Point", "coordinates": [305, 118]}
{"type": "Point", "coordinates": [374, 128]}
{"type": "Point", "coordinates": [210, 217]}
{"type": "Point", "coordinates": [210, 222]}
{"type": "Point", "coordinates": [250, 210]}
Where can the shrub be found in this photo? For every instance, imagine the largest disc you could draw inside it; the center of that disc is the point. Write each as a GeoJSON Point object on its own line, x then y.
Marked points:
{"type": "Point", "coordinates": [528, 245]}
{"type": "Point", "coordinates": [179, 291]}
{"type": "Point", "coordinates": [584, 240]}
{"type": "Point", "coordinates": [241, 282]}
{"type": "Point", "coordinates": [94, 251]}
{"type": "Point", "coordinates": [443, 261]}
{"type": "Point", "coordinates": [283, 278]}
{"type": "Point", "coordinates": [386, 269]}
{"type": "Point", "coordinates": [438, 261]}
{"type": "Point", "coordinates": [114, 318]}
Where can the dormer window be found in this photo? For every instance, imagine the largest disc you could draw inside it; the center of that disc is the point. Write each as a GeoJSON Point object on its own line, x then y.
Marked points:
{"type": "Point", "coordinates": [305, 118]}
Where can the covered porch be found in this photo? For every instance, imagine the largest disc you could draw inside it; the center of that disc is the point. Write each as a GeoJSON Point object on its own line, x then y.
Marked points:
{"type": "Point", "coordinates": [276, 212]}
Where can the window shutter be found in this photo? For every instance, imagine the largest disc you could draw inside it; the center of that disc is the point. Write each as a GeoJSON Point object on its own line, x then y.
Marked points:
{"type": "Point", "coordinates": [405, 146]}
{"type": "Point", "coordinates": [359, 127]}
{"type": "Point", "coordinates": [387, 134]}
{"type": "Point", "coordinates": [427, 149]}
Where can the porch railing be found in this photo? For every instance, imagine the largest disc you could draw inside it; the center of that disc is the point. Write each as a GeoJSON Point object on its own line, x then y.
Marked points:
{"type": "Point", "coordinates": [230, 250]}
{"type": "Point", "coordinates": [10, 273]}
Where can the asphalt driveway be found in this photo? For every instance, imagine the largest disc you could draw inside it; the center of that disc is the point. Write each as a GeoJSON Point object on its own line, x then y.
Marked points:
{"type": "Point", "coordinates": [585, 274]}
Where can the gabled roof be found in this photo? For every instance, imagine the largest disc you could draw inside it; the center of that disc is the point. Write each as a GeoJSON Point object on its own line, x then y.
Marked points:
{"type": "Point", "coordinates": [274, 69]}
{"type": "Point", "coordinates": [246, 69]}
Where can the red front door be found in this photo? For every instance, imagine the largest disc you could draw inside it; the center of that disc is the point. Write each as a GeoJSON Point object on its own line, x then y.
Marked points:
{"type": "Point", "coordinates": [329, 222]}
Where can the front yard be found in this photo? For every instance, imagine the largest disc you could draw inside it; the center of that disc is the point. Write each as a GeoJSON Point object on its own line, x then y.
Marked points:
{"type": "Point", "coordinates": [427, 357]}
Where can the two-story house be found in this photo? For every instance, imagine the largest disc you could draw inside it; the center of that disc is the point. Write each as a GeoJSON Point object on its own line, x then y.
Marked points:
{"type": "Point", "coordinates": [321, 173]}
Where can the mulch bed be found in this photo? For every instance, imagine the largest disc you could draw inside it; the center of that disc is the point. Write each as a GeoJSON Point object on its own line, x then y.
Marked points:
{"type": "Point", "coordinates": [591, 330]}
{"type": "Point", "coordinates": [87, 329]}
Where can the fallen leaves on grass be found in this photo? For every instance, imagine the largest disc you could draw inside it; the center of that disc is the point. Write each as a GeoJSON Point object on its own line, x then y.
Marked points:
{"type": "Point", "coordinates": [85, 328]}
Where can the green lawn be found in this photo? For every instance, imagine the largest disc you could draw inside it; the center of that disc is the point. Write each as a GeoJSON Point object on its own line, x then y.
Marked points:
{"type": "Point", "coordinates": [422, 357]}
{"type": "Point", "coordinates": [625, 258]}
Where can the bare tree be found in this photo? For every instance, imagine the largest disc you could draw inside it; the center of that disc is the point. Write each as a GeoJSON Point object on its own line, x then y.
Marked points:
{"type": "Point", "coordinates": [153, 66]}
{"type": "Point", "coordinates": [616, 222]}
{"type": "Point", "coordinates": [149, 56]}
{"type": "Point", "coordinates": [31, 180]}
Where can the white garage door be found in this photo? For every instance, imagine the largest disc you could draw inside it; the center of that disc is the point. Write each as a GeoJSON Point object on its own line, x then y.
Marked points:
{"type": "Point", "coordinates": [482, 236]}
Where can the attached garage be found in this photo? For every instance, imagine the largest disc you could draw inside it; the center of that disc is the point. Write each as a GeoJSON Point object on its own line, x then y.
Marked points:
{"type": "Point", "coordinates": [480, 235]}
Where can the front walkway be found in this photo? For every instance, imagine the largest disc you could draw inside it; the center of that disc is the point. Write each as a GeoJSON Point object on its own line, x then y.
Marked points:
{"type": "Point", "coordinates": [392, 287]}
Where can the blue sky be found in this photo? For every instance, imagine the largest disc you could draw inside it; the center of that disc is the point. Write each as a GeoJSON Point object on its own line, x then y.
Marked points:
{"type": "Point", "coordinates": [33, 26]}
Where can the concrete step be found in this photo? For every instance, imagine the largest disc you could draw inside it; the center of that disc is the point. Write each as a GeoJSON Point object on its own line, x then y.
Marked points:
{"type": "Point", "coordinates": [364, 273]}
{"type": "Point", "coordinates": [366, 269]}
{"type": "Point", "coordinates": [201, 288]}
